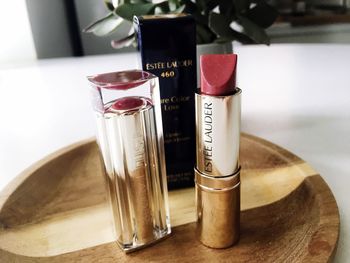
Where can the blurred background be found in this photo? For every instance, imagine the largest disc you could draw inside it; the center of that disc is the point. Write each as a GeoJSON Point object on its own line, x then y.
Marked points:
{"type": "Point", "coordinates": [36, 29]}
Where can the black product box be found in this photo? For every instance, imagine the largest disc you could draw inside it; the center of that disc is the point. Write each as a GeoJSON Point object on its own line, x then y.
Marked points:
{"type": "Point", "coordinates": [167, 46]}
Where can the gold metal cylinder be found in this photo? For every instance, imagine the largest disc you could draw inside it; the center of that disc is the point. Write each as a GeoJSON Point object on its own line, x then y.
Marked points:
{"type": "Point", "coordinates": [217, 173]}
{"type": "Point", "coordinates": [218, 126]}
{"type": "Point", "coordinates": [218, 216]}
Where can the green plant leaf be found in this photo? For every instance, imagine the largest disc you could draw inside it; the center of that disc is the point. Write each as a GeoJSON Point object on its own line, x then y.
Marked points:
{"type": "Point", "coordinates": [227, 8]}
{"type": "Point", "coordinates": [262, 14]}
{"type": "Point", "coordinates": [220, 25]}
{"type": "Point", "coordinates": [235, 36]}
{"type": "Point", "coordinates": [200, 19]}
{"type": "Point", "coordinates": [135, 2]}
{"type": "Point", "coordinates": [109, 5]}
{"type": "Point", "coordinates": [211, 4]}
{"type": "Point", "coordinates": [241, 5]}
{"type": "Point", "coordinates": [179, 10]}
{"type": "Point", "coordinates": [164, 7]}
{"type": "Point", "coordinates": [191, 7]}
{"type": "Point", "coordinates": [201, 5]}
{"type": "Point", "coordinates": [252, 30]}
{"type": "Point", "coordinates": [105, 25]}
{"type": "Point", "coordinates": [173, 4]}
{"type": "Point", "coordinates": [204, 35]}
{"type": "Point", "coordinates": [127, 11]}
{"type": "Point", "coordinates": [124, 42]}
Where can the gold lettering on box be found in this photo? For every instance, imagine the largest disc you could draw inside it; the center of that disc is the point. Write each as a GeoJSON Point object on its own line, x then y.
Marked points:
{"type": "Point", "coordinates": [155, 65]}
{"type": "Point", "coordinates": [179, 63]}
{"type": "Point", "coordinates": [169, 65]}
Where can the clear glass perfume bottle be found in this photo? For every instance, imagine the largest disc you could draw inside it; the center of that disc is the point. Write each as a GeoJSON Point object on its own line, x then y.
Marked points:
{"type": "Point", "coordinates": [130, 138]}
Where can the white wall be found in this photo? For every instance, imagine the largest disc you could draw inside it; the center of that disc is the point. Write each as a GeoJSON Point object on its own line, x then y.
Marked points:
{"type": "Point", "coordinates": [16, 41]}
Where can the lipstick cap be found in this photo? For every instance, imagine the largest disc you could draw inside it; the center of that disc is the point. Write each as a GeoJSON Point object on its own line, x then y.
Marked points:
{"type": "Point", "coordinates": [130, 139]}
{"type": "Point", "coordinates": [218, 209]}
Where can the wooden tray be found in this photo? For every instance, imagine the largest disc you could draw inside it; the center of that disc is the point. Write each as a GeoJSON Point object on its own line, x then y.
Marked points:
{"type": "Point", "coordinates": [55, 211]}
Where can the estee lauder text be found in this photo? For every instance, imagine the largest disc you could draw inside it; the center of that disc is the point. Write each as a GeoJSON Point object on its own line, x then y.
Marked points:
{"type": "Point", "coordinates": [208, 138]}
{"type": "Point", "coordinates": [169, 64]}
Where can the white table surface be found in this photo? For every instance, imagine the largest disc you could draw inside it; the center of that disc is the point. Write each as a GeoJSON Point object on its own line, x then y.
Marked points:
{"type": "Point", "coordinates": [297, 96]}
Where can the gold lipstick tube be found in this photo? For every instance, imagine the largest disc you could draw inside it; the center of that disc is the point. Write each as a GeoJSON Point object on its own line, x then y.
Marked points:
{"type": "Point", "coordinates": [217, 173]}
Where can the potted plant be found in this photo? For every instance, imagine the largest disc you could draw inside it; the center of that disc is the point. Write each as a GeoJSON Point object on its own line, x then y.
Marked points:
{"type": "Point", "coordinates": [217, 21]}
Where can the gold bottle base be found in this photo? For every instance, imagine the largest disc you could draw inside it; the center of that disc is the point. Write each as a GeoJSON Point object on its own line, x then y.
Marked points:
{"type": "Point", "coordinates": [218, 209]}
